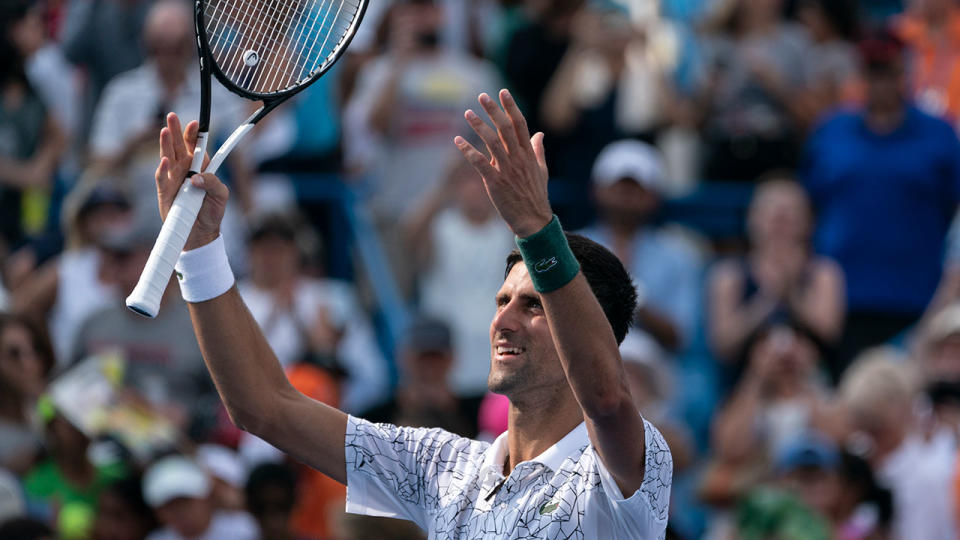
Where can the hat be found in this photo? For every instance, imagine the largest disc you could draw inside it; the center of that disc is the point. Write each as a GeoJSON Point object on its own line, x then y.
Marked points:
{"type": "Point", "coordinates": [428, 334]}
{"type": "Point", "coordinates": [273, 224]}
{"type": "Point", "coordinates": [141, 231]}
{"type": "Point", "coordinates": [103, 194]}
{"type": "Point", "coordinates": [173, 477]}
{"type": "Point", "coordinates": [810, 450]}
{"type": "Point", "coordinates": [630, 159]}
{"type": "Point", "coordinates": [944, 324]}
{"type": "Point", "coordinates": [223, 463]}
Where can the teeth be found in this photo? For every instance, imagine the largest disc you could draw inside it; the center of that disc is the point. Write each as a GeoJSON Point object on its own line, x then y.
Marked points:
{"type": "Point", "coordinates": [508, 350]}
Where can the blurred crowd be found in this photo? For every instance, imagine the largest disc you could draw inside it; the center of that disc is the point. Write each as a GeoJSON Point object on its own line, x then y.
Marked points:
{"type": "Point", "coordinates": [804, 365]}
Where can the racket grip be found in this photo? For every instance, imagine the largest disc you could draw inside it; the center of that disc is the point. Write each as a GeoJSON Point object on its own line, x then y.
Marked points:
{"type": "Point", "coordinates": [146, 296]}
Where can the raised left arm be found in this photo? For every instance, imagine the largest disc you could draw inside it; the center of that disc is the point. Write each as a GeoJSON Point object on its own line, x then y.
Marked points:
{"type": "Point", "coordinates": [515, 176]}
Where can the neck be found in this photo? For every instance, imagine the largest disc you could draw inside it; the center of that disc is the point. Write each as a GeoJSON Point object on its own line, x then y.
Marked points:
{"type": "Point", "coordinates": [534, 425]}
{"type": "Point", "coordinates": [884, 120]}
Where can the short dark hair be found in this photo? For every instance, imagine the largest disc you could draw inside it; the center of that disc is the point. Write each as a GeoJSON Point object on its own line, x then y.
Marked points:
{"type": "Point", "coordinates": [608, 279]}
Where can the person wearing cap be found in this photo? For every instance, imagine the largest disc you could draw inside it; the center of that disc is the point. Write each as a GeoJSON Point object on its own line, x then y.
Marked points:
{"type": "Point", "coordinates": [884, 180]}
{"type": "Point", "coordinates": [628, 185]}
{"type": "Point", "coordinates": [68, 288]}
{"type": "Point", "coordinates": [424, 396]}
{"type": "Point", "coordinates": [577, 460]}
{"type": "Point", "coordinates": [180, 491]}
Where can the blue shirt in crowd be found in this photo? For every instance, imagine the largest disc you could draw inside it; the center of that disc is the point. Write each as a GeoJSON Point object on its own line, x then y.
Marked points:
{"type": "Point", "coordinates": [884, 204]}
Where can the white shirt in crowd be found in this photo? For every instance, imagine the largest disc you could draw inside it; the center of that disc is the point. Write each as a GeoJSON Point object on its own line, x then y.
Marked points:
{"type": "Point", "coordinates": [80, 293]}
{"type": "Point", "coordinates": [453, 487]}
{"type": "Point", "coordinates": [459, 286]}
{"type": "Point", "coordinates": [920, 475]}
{"type": "Point", "coordinates": [358, 352]}
{"type": "Point", "coordinates": [224, 525]}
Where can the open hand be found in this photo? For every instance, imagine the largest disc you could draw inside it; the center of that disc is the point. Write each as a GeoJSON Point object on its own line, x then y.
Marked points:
{"type": "Point", "coordinates": [515, 174]}
{"type": "Point", "coordinates": [176, 155]}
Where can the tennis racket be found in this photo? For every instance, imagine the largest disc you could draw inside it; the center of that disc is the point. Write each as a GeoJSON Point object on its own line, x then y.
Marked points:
{"type": "Point", "coordinates": [263, 50]}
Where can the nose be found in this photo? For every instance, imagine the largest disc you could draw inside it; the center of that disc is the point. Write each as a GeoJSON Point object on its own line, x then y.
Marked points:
{"type": "Point", "coordinates": [506, 320]}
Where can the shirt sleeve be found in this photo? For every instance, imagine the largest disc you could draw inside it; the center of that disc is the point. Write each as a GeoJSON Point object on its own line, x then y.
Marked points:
{"type": "Point", "coordinates": [644, 514]}
{"type": "Point", "coordinates": [396, 471]}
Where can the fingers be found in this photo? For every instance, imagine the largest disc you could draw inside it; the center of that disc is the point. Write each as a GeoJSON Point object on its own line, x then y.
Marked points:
{"type": "Point", "coordinates": [211, 184]}
{"type": "Point", "coordinates": [475, 158]}
{"type": "Point", "coordinates": [516, 117]}
{"type": "Point", "coordinates": [179, 148]}
{"type": "Point", "coordinates": [163, 172]}
{"type": "Point", "coordinates": [166, 145]}
{"type": "Point", "coordinates": [504, 127]}
{"type": "Point", "coordinates": [538, 150]}
{"type": "Point", "coordinates": [190, 134]}
{"type": "Point", "coordinates": [486, 133]}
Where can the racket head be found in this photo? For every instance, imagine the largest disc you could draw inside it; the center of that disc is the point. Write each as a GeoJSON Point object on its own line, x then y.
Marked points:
{"type": "Point", "coordinates": [268, 50]}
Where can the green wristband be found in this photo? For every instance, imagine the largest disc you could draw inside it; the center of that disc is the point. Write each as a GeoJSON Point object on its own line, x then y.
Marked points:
{"type": "Point", "coordinates": [549, 261]}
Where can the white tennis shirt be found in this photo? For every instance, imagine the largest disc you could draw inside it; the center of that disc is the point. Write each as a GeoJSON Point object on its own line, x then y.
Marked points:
{"type": "Point", "coordinates": [454, 488]}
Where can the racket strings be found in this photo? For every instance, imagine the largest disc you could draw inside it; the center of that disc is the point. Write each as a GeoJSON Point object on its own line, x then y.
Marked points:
{"type": "Point", "coordinates": [268, 46]}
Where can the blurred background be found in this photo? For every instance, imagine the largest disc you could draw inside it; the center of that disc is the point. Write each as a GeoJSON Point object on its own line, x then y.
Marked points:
{"type": "Point", "coordinates": [781, 178]}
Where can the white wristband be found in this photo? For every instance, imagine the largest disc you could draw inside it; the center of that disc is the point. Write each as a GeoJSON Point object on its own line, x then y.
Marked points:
{"type": "Point", "coordinates": [204, 273]}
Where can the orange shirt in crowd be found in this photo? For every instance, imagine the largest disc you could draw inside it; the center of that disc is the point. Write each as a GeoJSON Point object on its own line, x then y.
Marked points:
{"type": "Point", "coordinates": [934, 64]}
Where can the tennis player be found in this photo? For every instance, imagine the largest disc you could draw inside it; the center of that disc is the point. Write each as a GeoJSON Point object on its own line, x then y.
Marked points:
{"type": "Point", "coordinates": [578, 460]}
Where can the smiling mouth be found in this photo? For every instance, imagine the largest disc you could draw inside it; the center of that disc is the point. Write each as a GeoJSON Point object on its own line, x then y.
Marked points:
{"type": "Point", "coordinates": [509, 351]}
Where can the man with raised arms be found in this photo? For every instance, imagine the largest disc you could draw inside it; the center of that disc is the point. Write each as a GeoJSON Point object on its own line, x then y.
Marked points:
{"type": "Point", "coordinates": [577, 461]}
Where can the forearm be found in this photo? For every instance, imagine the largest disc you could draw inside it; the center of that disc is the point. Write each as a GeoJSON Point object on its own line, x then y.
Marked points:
{"type": "Point", "coordinates": [587, 348]}
{"type": "Point", "coordinates": [243, 367]}
{"type": "Point", "coordinates": [256, 392]}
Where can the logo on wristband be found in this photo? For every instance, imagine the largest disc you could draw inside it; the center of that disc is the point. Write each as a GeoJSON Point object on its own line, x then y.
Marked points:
{"type": "Point", "coordinates": [545, 264]}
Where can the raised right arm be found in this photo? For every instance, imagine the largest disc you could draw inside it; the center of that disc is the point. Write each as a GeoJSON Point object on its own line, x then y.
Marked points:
{"type": "Point", "coordinates": [248, 377]}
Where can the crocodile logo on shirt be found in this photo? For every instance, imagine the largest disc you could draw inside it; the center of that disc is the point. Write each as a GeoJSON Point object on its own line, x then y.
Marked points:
{"type": "Point", "coordinates": [548, 507]}
{"type": "Point", "coordinates": [179, 275]}
{"type": "Point", "coordinates": [545, 264]}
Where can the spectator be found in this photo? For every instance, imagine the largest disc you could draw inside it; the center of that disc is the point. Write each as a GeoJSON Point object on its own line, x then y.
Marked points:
{"type": "Point", "coordinates": [103, 38]}
{"type": "Point", "coordinates": [26, 359]}
{"type": "Point", "coordinates": [755, 63]}
{"type": "Point", "coordinates": [628, 180]}
{"type": "Point", "coordinates": [31, 142]}
{"type": "Point", "coordinates": [424, 397]}
{"type": "Point", "coordinates": [134, 105]}
{"type": "Point", "coordinates": [227, 473]}
{"type": "Point", "coordinates": [163, 363]}
{"type": "Point", "coordinates": [73, 285]}
{"type": "Point", "coordinates": [878, 393]}
{"type": "Point", "coordinates": [67, 481]}
{"type": "Point", "coordinates": [884, 184]}
{"type": "Point", "coordinates": [122, 514]}
{"type": "Point", "coordinates": [809, 469]}
{"type": "Point", "coordinates": [833, 77]}
{"type": "Point", "coordinates": [451, 235]}
{"type": "Point", "coordinates": [303, 316]}
{"type": "Point", "coordinates": [779, 398]}
{"type": "Point", "coordinates": [179, 492]}
{"type": "Point", "coordinates": [405, 110]}
{"type": "Point", "coordinates": [865, 509]}
{"type": "Point", "coordinates": [931, 30]}
{"type": "Point", "coordinates": [778, 277]}
{"type": "Point", "coordinates": [271, 495]}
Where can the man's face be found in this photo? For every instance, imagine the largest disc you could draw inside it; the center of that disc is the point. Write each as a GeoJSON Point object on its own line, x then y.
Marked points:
{"type": "Point", "coordinates": [886, 85]}
{"type": "Point", "coordinates": [522, 353]}
{"type": "Point", "coordinates": [626, 201]}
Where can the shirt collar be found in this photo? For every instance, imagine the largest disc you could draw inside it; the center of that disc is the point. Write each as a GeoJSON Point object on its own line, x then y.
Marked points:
{"type": "Point", "coordinates": [552, 457]}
